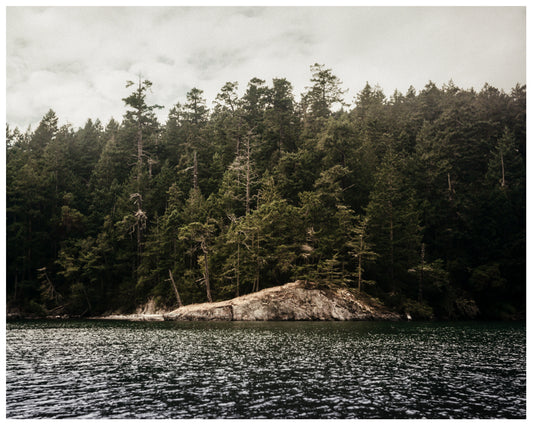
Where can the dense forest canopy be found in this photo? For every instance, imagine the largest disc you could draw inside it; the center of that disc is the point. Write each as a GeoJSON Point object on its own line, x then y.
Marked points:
{"type": "Point", "coordinates": [417, 199]}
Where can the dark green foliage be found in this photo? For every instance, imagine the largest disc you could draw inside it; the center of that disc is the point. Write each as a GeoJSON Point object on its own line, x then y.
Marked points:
{"type": "Point", "coordinates": [418, 200]}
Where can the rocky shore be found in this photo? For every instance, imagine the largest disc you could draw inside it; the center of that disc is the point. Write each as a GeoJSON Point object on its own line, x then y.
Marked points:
{"type": "Point", "coordinates": [297, 301]}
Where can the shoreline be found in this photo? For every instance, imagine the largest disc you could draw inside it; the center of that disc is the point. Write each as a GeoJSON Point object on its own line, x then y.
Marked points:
{"type": "Point", "coordinates": [296, 301]}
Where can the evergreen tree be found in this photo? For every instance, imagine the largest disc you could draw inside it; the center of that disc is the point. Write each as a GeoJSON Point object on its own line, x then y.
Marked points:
{"type": "Point", "coordinates": [142, 118]}
{"type": "Point", "coordinates": [421, 195]}
{"type": "Point", "coordinates": [324, 92]}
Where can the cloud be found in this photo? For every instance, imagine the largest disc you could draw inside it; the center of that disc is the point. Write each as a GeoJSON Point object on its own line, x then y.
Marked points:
{"type": "Point", "coordinates": [76, 60]}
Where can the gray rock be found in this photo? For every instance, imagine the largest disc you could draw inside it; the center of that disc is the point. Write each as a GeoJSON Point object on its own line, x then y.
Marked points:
{"type": "Point", "coordinates": [296, 301]}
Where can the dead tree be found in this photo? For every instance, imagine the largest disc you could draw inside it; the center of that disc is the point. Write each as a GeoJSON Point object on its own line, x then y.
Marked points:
{"type": "Point", "coordinates": [171, 279]}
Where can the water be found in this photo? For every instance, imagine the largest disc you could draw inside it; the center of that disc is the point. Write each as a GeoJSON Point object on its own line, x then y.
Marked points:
{"type": "Point", "coordinates": [104, 369]}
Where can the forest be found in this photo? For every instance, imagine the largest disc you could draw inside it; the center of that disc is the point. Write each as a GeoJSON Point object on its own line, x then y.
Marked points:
{"type": "Point", "coordinates": [417, 199]}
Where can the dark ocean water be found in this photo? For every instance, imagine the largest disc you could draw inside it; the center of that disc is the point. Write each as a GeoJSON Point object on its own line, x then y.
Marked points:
{"type": "Point", "coordinates": [108, 369]}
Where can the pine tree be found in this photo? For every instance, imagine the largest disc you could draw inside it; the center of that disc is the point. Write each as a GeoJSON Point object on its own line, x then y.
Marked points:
{"type": "Point", "coordinates": [324, 93]}
{"type": "Point", "coordinates": [360, 248]}
{"type": "Point", "coordinates": [142, 117]}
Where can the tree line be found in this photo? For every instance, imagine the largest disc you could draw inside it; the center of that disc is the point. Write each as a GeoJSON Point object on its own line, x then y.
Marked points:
{"type": "Point", "coordinates": [417, 199]}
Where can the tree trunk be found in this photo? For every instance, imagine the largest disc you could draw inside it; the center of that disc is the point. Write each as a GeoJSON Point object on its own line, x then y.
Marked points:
{"type": "Point", "coordinates": [503, 170]}
{"type": "Point", "coordinates": [139, 157]}
{"type": "Point", "coordinates": [178, 298]}
{"type": "Point", "coordinates": [238, 267]}
{"type": "Point", "coordinates": [139, 173]}
{"type": "Point", "coordinates": [195, 174]}
{"type": "Point", "coordinates": [238, 147]}
{"type": "Point", "coordinates": [258, 264]}
{"type": "Point", "coordinates": [206, 273]}
{"type": "Point", "coordinates": [139, 144]}
{"type": "Point", "coordinates": [139, 244]}
{"type": "Point", "coordinates": [359, 268]}
{"type": "Point", "coordinates": [248, 175]}
{"type": "Point", "coordinates": [89, 307]}
{"type": "Point", "coordinates": [422, 258]}
{"type": "Point", "coordinates": [391, 238]}
{"type": "Point", "coordinates": [280, 135]}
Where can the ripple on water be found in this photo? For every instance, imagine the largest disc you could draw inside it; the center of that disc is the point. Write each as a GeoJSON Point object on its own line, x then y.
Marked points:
{"type": "Point", "coordinates": [265, 370]}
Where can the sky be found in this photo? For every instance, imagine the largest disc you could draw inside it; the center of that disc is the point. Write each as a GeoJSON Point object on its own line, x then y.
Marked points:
{"type": "Point", "coordinates": [76, 60]}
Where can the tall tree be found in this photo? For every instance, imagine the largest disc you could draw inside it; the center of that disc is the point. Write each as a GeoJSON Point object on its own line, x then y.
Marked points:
{"type": "Point", "coordinates": [324, 92]}
{"type": "Point", "coordinates": [142, 116]}
{"type": "Point", "coordinates": [360, 248]}
{"type": "Point", "coordinates": [44, 134]}
{"type": "Point", "coordinates": [201, 234]}
{"type": "Point", "coordinates": [280, 119]}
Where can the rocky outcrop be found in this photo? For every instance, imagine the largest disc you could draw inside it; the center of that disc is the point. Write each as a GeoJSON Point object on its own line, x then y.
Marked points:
{"type": "Point", "coordinates": [294, 301]}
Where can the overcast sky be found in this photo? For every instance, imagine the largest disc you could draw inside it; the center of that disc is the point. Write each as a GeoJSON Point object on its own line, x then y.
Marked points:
{"type": "Point", "coordinates": [76, 60]}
